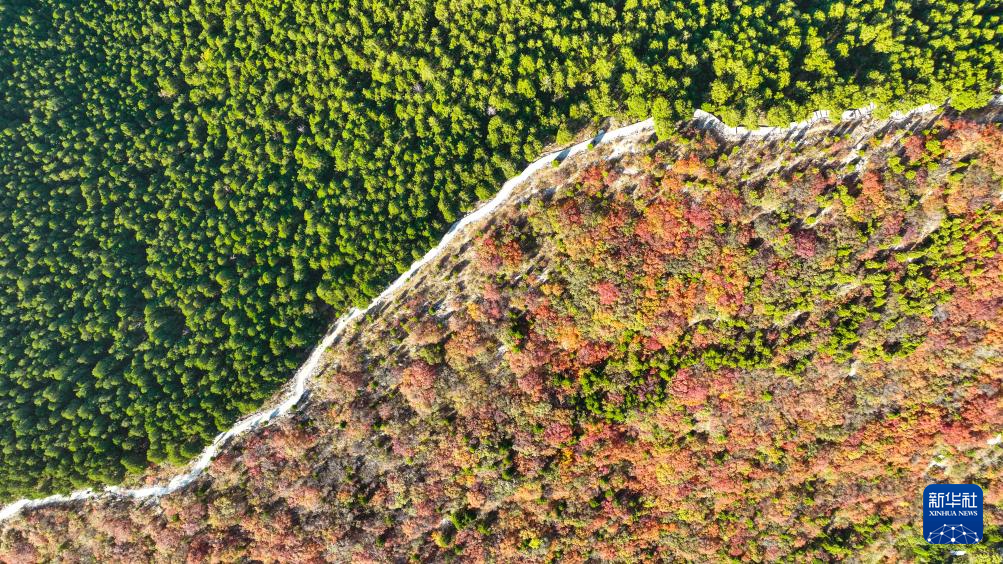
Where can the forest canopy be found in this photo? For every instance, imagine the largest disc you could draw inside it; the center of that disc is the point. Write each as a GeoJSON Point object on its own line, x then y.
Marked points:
{"type": "Point", "coordinates": [698, 351]}
{"type": "Point", "coordinates": [191, 190]}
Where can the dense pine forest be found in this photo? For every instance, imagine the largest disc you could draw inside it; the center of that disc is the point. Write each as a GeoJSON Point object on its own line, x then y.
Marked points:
{"type": "Point", "coordinates": [191, 190]}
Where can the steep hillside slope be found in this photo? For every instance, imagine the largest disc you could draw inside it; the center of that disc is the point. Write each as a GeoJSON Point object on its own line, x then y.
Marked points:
{"type": "Point", "coordinates": [697, 350]}
{"type": "Point", "coordinates": [190, 190]}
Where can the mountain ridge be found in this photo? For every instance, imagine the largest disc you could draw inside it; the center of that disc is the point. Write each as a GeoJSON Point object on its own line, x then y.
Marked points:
{"type": "Point", "coordinates": [506, 263]}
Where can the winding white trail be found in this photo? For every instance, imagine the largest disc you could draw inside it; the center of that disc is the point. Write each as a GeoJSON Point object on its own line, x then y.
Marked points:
{"type": "Point", "coordinates": [308, 369]}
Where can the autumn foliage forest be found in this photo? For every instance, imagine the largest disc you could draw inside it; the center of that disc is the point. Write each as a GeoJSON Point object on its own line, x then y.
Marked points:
{"type": "Point", "coordinates": [191, 191]}
{"type": "Point", "coordinates": [702, 350]}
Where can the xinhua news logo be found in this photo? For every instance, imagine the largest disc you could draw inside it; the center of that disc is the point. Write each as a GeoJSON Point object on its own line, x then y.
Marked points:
{"type": "Point", "coordinates": [952, 514]}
